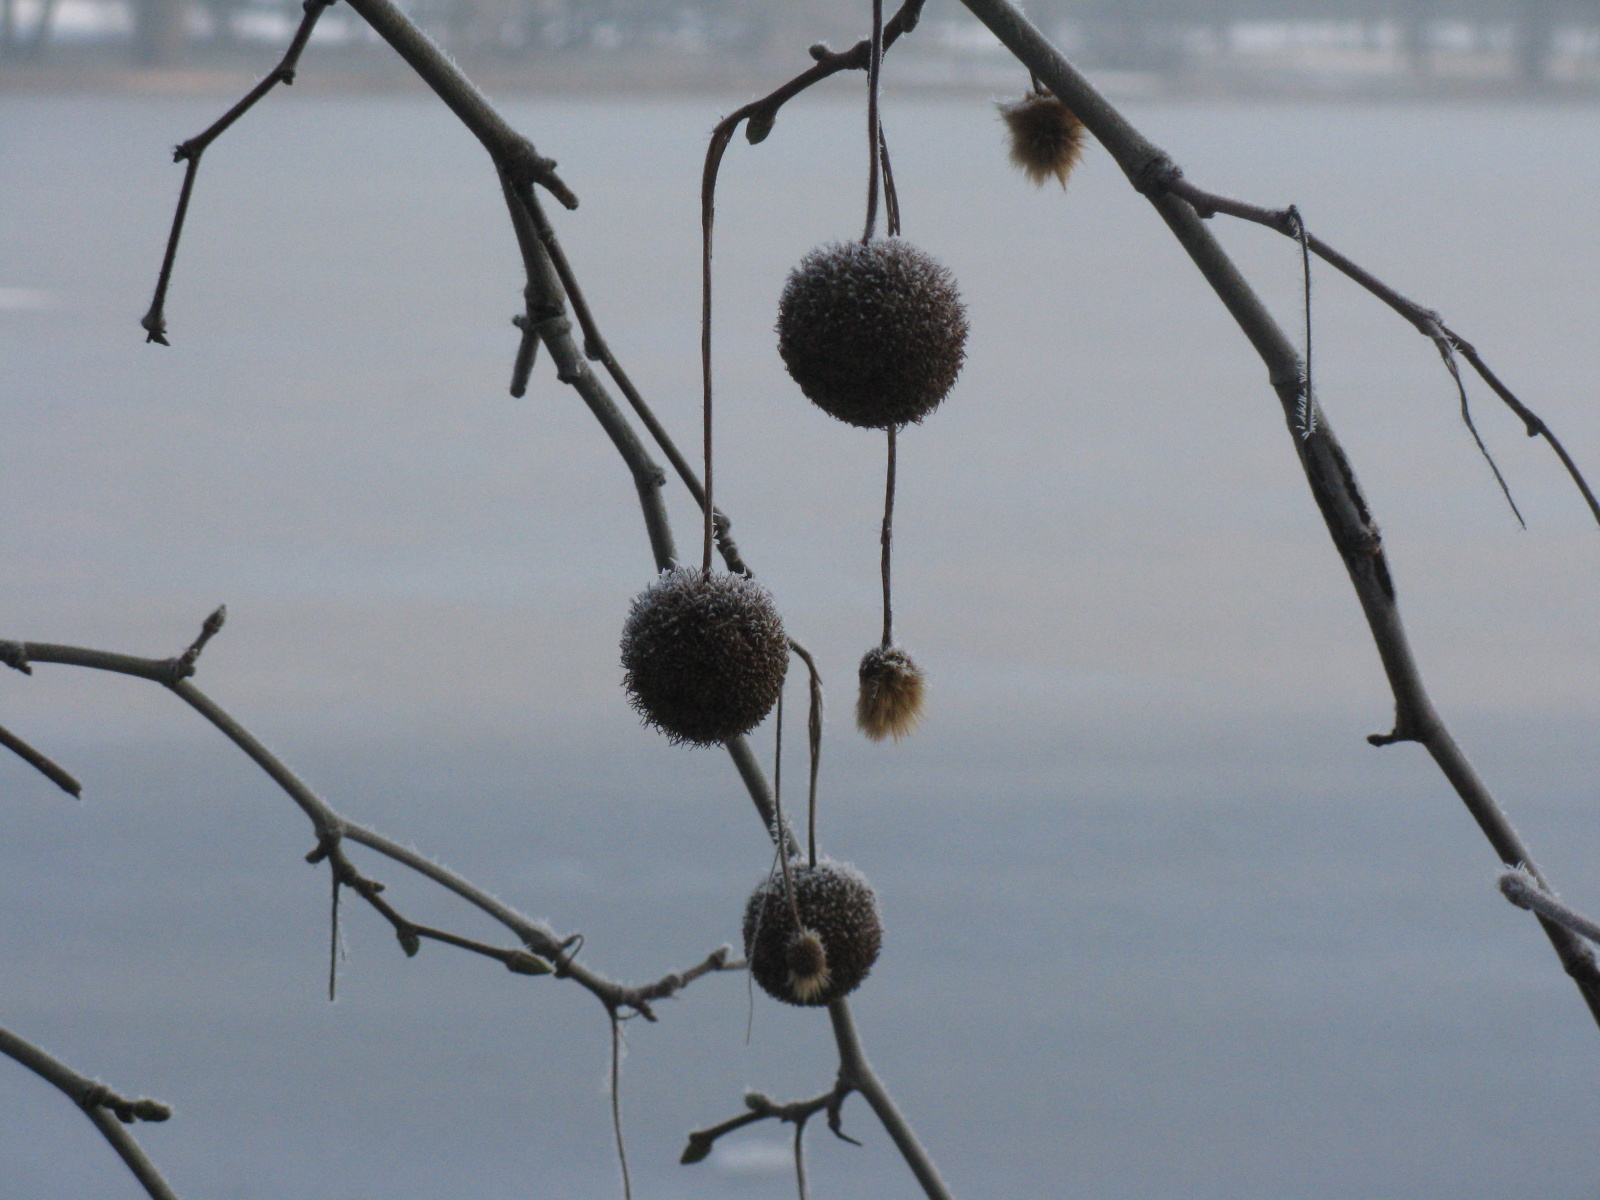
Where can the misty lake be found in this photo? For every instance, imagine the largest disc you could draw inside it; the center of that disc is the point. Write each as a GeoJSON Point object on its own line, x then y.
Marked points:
{"type": "Point", "coordinates": [1159, 922]}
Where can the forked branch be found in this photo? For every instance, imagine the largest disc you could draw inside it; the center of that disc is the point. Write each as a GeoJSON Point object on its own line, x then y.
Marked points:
{"type": "Point", "coordinates": [107, 1109]}
{"type": "Point", "coordinates": [543, 947]}
{"type": "Point", "coordinates": [1426, 321]}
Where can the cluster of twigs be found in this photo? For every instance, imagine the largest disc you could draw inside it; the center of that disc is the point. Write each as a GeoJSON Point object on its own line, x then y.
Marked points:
{"type": "Point", "coordinates": [552, 286]}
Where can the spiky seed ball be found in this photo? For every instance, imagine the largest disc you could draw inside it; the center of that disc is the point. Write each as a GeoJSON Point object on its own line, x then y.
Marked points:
{"type": "Point", "coordinates": [874, 334]}
{"type": "Point", "coordinates": [705, 655]}
{"type": "Point", "coordinates": [835, 944]}
{"type": "Point", "coordinates": [889, 703]}
{"type": "Point", "coordinates": [1046, 136]}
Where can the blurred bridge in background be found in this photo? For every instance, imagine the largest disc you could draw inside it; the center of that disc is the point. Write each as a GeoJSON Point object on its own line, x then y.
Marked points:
{"type": "Point", "coordinates": [1517, 43]}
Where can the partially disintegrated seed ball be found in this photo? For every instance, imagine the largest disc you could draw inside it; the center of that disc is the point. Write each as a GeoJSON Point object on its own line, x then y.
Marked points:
{"type": "Point", "coordinates": [705, 655]}
{"type": "Point", "coordinates": [830, 952]}
{"type": "Point", "coordinates": [874, 334]}
{"type": "Point", "coordinates": [889, 703]}
{"type": "Point", "coordinates": [1046, 136]}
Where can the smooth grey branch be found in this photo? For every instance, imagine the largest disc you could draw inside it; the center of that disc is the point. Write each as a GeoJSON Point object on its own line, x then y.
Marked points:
{"type": "Point", "coordinates": [109, 1111]}
{"type": "Point", "coordinates": [41, 763]}
{"type": "Point", "coordinates": [1327, 468]}
{"type": "Point", "coordinates": [155, 320]}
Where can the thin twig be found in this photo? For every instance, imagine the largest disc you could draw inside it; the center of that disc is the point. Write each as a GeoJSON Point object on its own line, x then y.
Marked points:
{"type": "Point", "coordinates": [759, 1107]}
{"type": "Point", "coordinates": [39, 762]}
{"type": "Point", "coordinates": [108, 1110]}
{"type": "Point", "coordinates": [800, 1157]}
{"type": "Point", "coordinates": [1425, 320]}
{"type": "Point", "coordinates": [155, 320]}
{"type": "Point", "coordinates": [616, 1102]}
{"type": "Point", "coordinates": [596, 348]}
{"type": "Point", "coordinates": [814, 741]}
{"type": "Point", "coordinates": [330, 827]}
{"type": "Point", "coordinates": [874, 129]}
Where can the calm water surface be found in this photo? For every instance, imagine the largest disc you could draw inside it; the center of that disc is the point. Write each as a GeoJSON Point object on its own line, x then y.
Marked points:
{"type": "Point", "coordinates": [1160, 924]}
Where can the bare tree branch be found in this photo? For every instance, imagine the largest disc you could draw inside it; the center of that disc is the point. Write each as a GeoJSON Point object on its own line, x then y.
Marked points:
{"type": "Point", "coordinates": [155, 319]}
{"type": "Point", "coordinates": [540, 940]}
{"type": "Point", "coordinates": [1327, 469]}
{"type": "Point", "coordinates": [108, 1110]}
{"type": "Point", "coordinates": [761, 1108]}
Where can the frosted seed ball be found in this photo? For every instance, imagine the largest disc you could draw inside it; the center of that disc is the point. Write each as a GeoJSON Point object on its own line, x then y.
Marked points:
{"type": "Point", "coordinates": [874, 334]}
{"type": "Point", "coordinates": [1046, 136]}
{"type": "Point", "coordinates": [889, 703]}
{"type": "Point", "coordinates": [705, 655]}
{"type": "Point", "coordinates": [830, 951]}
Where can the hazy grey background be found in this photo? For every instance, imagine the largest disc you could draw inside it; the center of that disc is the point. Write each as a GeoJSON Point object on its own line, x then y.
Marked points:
{"type": "Point", "coordinates": [1160, 924]}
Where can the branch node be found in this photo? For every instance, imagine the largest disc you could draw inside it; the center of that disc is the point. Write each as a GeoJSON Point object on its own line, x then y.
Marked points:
{"type": "Point", "coordinates": [1156, 176]}
{"type": "Point", "coordinates": [98, 1095]}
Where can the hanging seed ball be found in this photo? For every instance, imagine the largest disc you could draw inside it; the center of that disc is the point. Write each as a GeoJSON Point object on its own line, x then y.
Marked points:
{"type": "Point", "coordinates": [874, 334]}
{"type": "Point", "coordinates": [705, 655]}
{"type": "Point", "coordinates": [889, 703]}
{"type": "Point", "coordinates": [1046, 136]}
{"type": "Point", "coordinates": [830, 952]}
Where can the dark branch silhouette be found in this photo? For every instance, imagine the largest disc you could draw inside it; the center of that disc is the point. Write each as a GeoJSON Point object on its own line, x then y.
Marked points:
{"type": "Point", "coordinates": [1327, 469]}
{"type": "Point", "coordinates": [39, 762]}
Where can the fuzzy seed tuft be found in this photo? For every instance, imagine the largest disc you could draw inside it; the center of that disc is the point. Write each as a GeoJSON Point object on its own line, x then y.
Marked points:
{"type": "Point", "coordinates": [874, 334]}
{"type": "Point", "coordinates": [807, 960]}
{"type": "Point", "coordinates": [705, 655]}
{"type": "Point", "coordinates": [890, 701]}
{"type": "Point", "coordinates": [1046, 136]}
{"type": "Point", "coordinates": [835, 944]}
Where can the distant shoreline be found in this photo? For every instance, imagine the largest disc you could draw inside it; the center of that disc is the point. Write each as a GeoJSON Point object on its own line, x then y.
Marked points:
{"type": "Point", "coordinates": [103, 70]}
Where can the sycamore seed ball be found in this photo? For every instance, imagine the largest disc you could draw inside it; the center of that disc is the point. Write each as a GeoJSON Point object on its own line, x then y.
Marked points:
{"type": "Point", "coordinates": [705, 655]}
{"type": "Point", "coordinates": [828, 954]}
{"type": "Point", "coordinates": [889, 703]}
{"type": "Point", "coordinates": [1046, 136]}
{"type": "Point", "coordinates": [874, 334]}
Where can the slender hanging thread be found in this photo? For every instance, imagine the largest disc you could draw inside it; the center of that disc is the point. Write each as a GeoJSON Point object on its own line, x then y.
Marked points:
{"type": "Point", "coordinates": [708, 216]}
{"type": "Point", "coordinates": [616, 1102]}
{"type": "Point", "coordinates": [1308, 402]}
{"type": "Point", "coordinates": [783, 829]}
{"type": "Point", "coordinates": [874, 130]}
{"type": "Point", "coordinates": [887, 540]}
{"type": "Point", "coordinates": [333, 938]}
{"type": "Point", "coordinates": [891, 198]}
